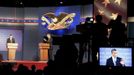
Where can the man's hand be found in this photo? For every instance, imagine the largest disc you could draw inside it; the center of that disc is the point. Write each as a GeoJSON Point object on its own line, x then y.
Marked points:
{"type": "Point", "coordinates": [122, 62]}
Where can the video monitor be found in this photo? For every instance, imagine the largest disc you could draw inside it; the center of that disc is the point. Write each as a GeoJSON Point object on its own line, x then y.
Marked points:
{"type": "Point", "coordinates": [115, 56]}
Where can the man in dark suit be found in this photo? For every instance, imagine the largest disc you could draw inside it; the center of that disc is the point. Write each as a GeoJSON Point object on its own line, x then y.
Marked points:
{"type": "Point", "coordinates": [114, 60]}
{"type": "Point", "coordinates": [47, 38]}
{"type": "Point", "coordinates": [11, 39]}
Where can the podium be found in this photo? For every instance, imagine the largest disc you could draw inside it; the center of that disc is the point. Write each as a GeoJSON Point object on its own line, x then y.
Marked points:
{"type": "Point", "coordinates": [43, 47]}
{"type": "Point", "coordinates": [11, 47]}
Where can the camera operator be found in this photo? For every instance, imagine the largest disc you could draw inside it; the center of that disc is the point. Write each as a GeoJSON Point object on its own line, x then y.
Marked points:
{"type": "Point", "coordinates": [84, 42]}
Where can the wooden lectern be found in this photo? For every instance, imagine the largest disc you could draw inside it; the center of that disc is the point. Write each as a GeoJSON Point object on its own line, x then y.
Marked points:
{"type": "Point", "coordinates": [44, 51]}
{"type": "Point", "coordinates": [11, 47]}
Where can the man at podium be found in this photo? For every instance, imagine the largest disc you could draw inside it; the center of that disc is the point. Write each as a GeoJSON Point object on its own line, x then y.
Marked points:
{"type": "Point", "coordinates": [10, 39]}
{"type": "Point", "coordinates": [47, 39]}
{"type": "Point", "coordinates": [11, 47]}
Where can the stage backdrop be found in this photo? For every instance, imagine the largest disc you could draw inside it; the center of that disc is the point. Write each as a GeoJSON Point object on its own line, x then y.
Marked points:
{"type": "Point", "coordinates": [75, 14]}
{"type": "Point", "coordinates": [81, 12]}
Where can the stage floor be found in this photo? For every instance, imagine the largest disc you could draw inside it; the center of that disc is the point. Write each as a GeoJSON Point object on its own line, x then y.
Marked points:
{"type": "Point", "coordinates": [16, 63]}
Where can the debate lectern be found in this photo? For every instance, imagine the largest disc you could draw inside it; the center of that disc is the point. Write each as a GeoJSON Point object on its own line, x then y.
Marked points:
{"type": "Point", "coordinates": [11, 47]}
{"type": "Point", "coordinates": [44, 51]}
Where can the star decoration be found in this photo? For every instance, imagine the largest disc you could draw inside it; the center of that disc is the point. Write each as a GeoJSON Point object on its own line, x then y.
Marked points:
{"type": "Point", "coordinates": [118, 1]}
{"type": "Point", "coordinates": [114, 16]}
{"type": "Point", "coordinates": [101, 12]}
{"type": "Point", "coordinates": [106, 2]}
{"type": "Point", "coordinates": [110, 9]}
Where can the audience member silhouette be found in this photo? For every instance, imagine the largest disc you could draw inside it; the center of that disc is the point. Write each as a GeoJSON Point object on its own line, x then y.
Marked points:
{"type": "Point", "coordinates": [50, 69]}
{"type": "Point", "coordinates": [99, 36]}
{"type": "Point", "coordinates": [66, 57]}
{"type": "Point", "coordinates": [22, 70]}
{"type": "Point", "coordinates": [33, 70]}
{"type": "Point", "coordinates": [7, 70]}
{"type": "Point", "coordinates": [39, 72]}
{"type": "Point", "coordinates": [117, 35]}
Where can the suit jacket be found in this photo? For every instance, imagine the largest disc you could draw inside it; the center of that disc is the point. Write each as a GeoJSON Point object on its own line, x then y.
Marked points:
{"type": "Point", "coordinates": [9, 41]}
{"type": "Point", "coordinates": [109, 62]}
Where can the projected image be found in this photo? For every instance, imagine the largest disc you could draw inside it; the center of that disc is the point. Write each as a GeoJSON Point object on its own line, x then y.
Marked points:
{"type": "Point", "coordinates": [54, 22]}
{"type": "Point", "coordinates": [121, 57]}
{"type": "Point", "coordinates": [62, 20]}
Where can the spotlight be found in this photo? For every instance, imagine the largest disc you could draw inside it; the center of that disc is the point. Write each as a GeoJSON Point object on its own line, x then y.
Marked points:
{"type": "Point", "coordinates": [91, 19]}
{"type": "Point", "coordinates": [61, 2]}
{"type": "Point", "coordinates": [21, 3]}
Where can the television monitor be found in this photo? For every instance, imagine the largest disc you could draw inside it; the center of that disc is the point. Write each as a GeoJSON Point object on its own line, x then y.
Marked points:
{"type": "Point", "coordinates": [123, 56]}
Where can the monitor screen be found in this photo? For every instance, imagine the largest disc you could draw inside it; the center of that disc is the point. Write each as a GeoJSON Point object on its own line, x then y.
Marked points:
{"type": "Point", "coordinates": [115, 56]}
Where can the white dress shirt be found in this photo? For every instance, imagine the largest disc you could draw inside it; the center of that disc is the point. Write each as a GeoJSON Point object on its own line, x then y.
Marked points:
{"type": "Point", "coordinates": [114, 60]}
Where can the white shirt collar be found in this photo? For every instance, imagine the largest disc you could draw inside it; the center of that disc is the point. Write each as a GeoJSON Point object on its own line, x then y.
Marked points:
{"type": "Point", "coordinates": [114, 60]}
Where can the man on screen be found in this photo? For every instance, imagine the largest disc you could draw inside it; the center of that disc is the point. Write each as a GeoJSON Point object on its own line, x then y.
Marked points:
{"type": "Point", "coordinates": [10, 39]}
{"type": "Point", "coordinates": [114, 60]}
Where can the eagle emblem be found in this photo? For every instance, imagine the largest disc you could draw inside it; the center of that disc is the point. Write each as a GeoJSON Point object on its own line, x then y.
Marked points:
{"type": "Point", "coordinates": [53, 22]}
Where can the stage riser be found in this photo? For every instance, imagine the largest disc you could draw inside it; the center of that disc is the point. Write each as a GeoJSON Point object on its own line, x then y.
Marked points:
{"type": "Point", "coordinates": [39, 65]}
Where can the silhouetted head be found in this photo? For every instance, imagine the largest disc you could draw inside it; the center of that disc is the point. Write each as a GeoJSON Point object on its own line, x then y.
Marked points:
{"type": "Point", "coordinates": [98, 18]}
{"type": "Point", "coordinates": [119, 18]}
{"type": "Point", "coordinates": [33, 67]}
